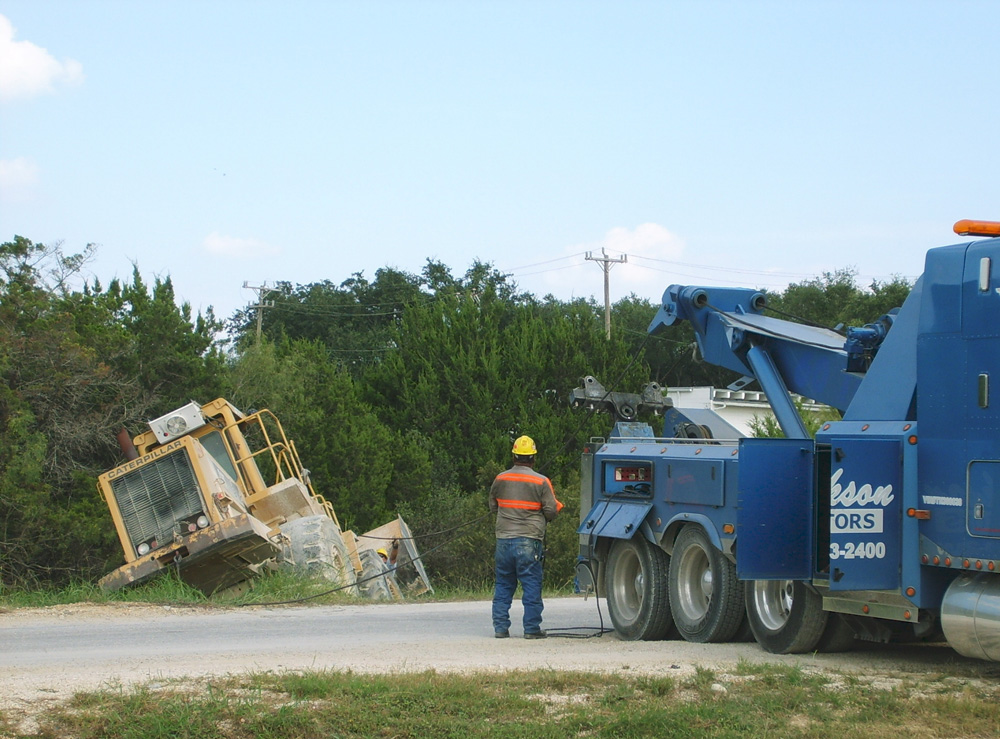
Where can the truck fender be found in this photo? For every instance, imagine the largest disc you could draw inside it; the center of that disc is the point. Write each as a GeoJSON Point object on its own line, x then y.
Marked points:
{"type": "Point", "coordinates": [674, 525]}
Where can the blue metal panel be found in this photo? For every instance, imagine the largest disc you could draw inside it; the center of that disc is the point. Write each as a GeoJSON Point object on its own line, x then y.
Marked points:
{"type": "Point", "coordinates": [979, 300]}
{"type": "Point", "coordinates": [697, 481]}
{"type": "Point", "coordinates": [631, 430]}
{"type": "Point", "coordinates": [940, 305]}
{"type": "Point", "coordinates": [811, 361]}
{"type": "Point", "coordinates": [775, 533]}
{"type": "Point", "coordinates": [614, 519]}
{"type": "Point", "coordinates": [983, 511]}
{"type": "Point", "coordinates": [960, 434]}
{"type": "Point", "coordinates": [866, 498]}
{"type": "Point", "coordinates": [889, 388]}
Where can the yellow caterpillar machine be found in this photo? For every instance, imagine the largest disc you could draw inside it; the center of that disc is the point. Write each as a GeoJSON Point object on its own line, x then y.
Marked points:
{"type": "Point", "coordinates": [216, 494]}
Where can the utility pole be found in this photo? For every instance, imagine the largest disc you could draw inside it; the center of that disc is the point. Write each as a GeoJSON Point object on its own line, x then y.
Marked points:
{"type": "Point", "coordinates": [262, 292]}
{"type": "Point", "coordinates": [606, 263]}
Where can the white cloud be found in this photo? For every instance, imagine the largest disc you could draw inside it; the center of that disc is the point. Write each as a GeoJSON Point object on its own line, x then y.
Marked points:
{"type": "Point", "coordinates": [231, 246]}
{"type": "Point", "coordinates": [648, 240]}
{"type": "Point", "coordinates": [18, 177]}
{"type": "Point", "coordinates": [27, 69]}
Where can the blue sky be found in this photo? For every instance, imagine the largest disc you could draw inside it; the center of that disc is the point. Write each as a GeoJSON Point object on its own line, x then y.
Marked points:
{"type": "Point", "coordinates": [750, 143]}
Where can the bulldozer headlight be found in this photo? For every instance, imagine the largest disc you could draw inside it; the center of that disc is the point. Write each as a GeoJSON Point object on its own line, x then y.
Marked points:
{"type": "Point", "coordinates": [202, 522]}
{"type": "Point", "coordinates": [142, 549]}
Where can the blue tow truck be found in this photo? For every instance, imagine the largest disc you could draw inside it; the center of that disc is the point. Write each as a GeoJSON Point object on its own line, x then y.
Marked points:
{"type": "Point", "coordinates": [885, 526]}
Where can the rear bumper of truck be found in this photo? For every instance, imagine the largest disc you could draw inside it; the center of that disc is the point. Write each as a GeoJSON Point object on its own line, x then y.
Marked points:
{"type": "Point", "coordinates": [210, 559]}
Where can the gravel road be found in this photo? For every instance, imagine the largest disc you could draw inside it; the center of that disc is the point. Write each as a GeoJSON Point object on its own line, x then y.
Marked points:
{"type": "Point", "coordinates": [48, 654]}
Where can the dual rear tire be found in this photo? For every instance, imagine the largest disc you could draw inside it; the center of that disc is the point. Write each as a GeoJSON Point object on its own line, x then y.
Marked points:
{"type": "Point", "coordinates": [705, 596]}
{"type": "Point", "coordinates": [695, 594]}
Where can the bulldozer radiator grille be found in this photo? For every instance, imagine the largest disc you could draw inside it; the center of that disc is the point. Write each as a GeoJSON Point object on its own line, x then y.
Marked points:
{"type": "Point", "coordinates": [155, 497]}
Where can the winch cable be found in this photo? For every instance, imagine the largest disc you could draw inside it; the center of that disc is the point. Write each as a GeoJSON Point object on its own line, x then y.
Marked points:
{"type": "Point", "coordinates": [384, 573]}
{"type": "Point", "coordinates": [569, 632]}
{"type": "Point", "coordinates": [600, 630]}
{"type": "Point", "coordinates": [573, 632]}
{"type": "Point", "coordinates": [425, 536]}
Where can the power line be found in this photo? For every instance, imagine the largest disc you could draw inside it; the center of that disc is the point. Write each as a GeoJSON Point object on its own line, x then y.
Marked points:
{"type": "Point", "coordinates": [543, 271]}
{"type": "Point", "coordinates": [302, 308]}
{"type": "Point", "coordinates": [547, 261]}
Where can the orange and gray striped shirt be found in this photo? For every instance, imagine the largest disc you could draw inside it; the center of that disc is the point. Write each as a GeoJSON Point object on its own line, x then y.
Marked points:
{"type": "Point", "coordinates": [524, 502]}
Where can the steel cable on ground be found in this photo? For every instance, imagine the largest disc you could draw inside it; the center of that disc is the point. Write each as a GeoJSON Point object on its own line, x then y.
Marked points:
{"type": "Point", "coordinates": [385, 573]}
{"type": "Point", "coordinates": [571, 632]}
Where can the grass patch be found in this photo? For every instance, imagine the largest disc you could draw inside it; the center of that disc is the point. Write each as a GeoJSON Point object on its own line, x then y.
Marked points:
{"type": "Point", "coordinates": [271, 587]}
{"type": "Point", "coordinates": [765, 701]}
{"type": "Point", "coordinates": [278, 586]}
{"type": "Point", "coordinates": [161, 590]}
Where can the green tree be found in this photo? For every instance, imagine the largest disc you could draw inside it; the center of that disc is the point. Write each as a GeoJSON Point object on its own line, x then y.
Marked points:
{"type": "Point", "coordinates": [835, 299]}
{"type": "Point", "coordinates": [352, 320]}
{"type": "Point", "coordinates": [364, 467]}
{"type": "Point", "coordinates": [766, 426]}
{"type": "Point", "coordinates": [76, 365]}
{"type": "Point", "coordinates": [175, 357]}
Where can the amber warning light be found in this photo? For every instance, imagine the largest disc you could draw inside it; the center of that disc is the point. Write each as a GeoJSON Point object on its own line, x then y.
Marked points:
{"type": "Point", "coordinates": [977, 228]}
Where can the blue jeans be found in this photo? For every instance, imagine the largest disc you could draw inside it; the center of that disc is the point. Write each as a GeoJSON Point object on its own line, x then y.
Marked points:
{"type": "Point", "coordinates": [518, 560]}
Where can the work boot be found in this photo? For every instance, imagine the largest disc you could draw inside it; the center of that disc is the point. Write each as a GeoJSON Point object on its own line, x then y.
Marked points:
{"type": "Point", "coordinates": [501, 634]}
{"type": "Point", "coordinates": [535, 635]}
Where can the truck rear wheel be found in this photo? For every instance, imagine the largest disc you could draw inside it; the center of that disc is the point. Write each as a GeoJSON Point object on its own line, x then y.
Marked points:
{"type": "Point", "coordinates": [638, 597]}
{"type": "Point", "coordinates": [705, 596]}
{"type": "Point", "coordinates": [786, 616]}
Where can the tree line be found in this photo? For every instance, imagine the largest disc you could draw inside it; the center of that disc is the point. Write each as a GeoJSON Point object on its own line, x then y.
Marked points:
{"type": "Point", "coordinates": [403, 393]}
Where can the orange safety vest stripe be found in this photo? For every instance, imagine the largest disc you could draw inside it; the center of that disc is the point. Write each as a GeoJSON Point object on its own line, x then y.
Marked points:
{"type": "Point", "coordinates": [534, 480]}
{"type": "Point", "coordinates": [523, 504]}
{"type": "Point", "coordinates": [519, 477]}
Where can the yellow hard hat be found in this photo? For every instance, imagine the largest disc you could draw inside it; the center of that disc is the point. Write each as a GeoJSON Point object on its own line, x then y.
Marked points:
{"type": "Point", "coordinates": [524, 446]}
{"type": "Point", "coordinates": [382, 552]}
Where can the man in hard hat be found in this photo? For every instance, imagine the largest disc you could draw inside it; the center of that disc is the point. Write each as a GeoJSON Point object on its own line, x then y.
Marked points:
{"type": "Point", "coordinates": [389, 560]}
{"type": "Point", "coordinates": [524, 502]}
